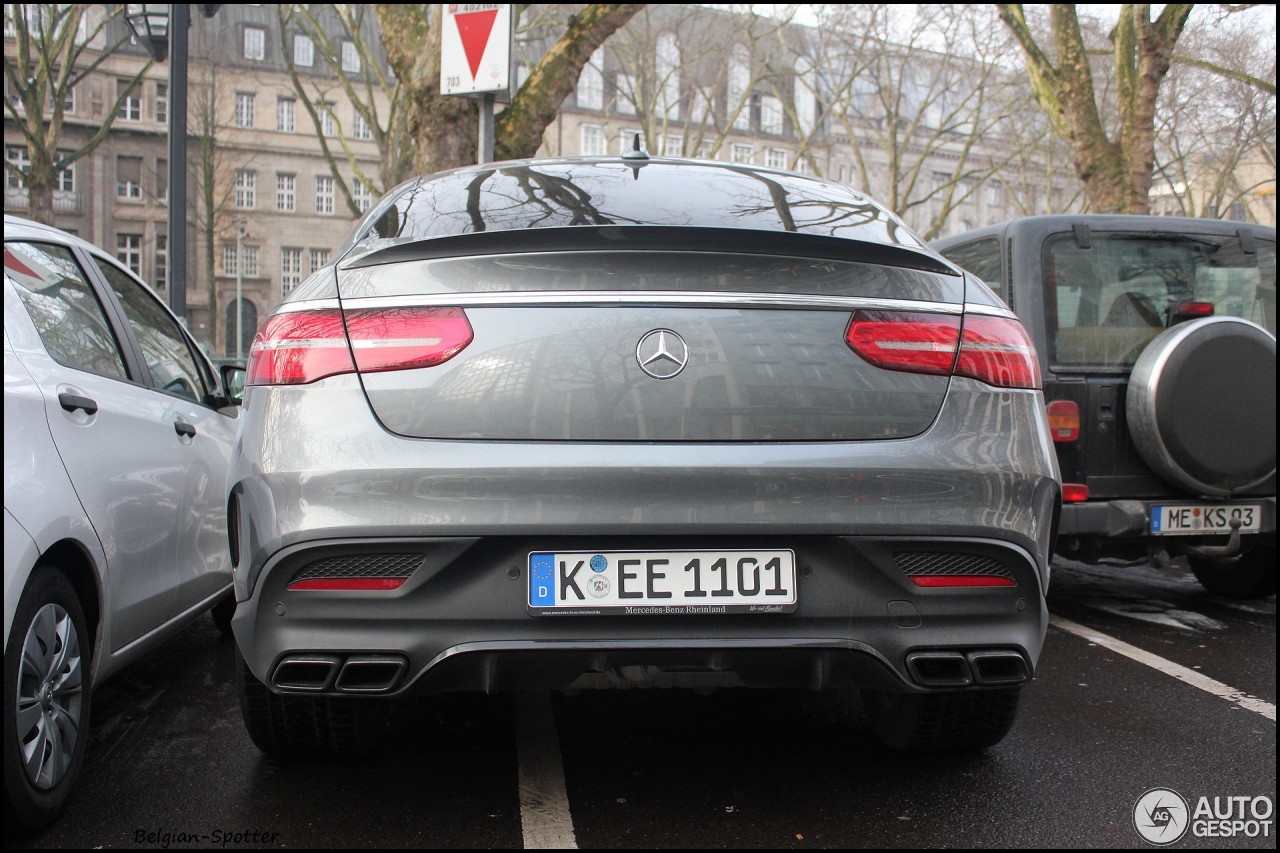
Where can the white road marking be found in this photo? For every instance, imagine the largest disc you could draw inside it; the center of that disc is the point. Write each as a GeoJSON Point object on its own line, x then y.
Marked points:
{"type": "Point", "coordinates": [544, 803]}
{"type": "Point", "coordinates": [1168, 667]}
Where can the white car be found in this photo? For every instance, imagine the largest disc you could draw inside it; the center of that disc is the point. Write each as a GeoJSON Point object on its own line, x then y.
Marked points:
{"type": "Point", "coordinates": [117, 435]}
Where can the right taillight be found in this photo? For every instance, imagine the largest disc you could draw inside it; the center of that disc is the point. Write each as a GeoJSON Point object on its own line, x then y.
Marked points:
{"type": "Point", "coordinates": [995, 350]}
{"type": "Point", "coordinates": [298, 347]}
{"type": "Point", "coordinates": [1064, 421]}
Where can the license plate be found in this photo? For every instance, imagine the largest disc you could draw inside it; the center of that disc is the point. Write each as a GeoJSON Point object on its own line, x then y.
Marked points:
{"type": "Point", "coordinates": [643, 583]}
{"type": "Point", "coordinates": [1204, 518]}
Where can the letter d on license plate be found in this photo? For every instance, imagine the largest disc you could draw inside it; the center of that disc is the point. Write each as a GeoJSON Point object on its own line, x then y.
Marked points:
{"type": "Point", "coordinates": [639, 583]}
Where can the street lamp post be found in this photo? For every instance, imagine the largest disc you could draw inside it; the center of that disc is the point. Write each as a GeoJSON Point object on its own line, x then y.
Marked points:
{"type": "Point", "coordinates": [240, 235]}
{"type": "Point", "coordinates": [163, 28]}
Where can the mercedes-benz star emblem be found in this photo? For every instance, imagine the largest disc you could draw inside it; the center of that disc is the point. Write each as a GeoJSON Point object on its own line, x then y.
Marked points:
{"type": "Point", "coordinates": [662, 353]}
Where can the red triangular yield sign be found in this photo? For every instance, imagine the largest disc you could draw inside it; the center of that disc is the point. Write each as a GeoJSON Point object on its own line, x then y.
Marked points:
{"type": "Point", "coordinates": [474, 28]}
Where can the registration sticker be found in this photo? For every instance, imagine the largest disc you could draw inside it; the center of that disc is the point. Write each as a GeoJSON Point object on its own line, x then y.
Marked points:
{"type": "Point", "coordinates": [639, 583]}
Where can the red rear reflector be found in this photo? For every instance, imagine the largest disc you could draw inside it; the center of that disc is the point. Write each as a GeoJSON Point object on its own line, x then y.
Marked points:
{"type": "Point", "coordinates": [935, 581]}
{"type": "Point", "coordinates": [405, 338]}
{"type": "Point", "coordinates": [302, 346]}
{"type": "Point", "coordinates": [997, 351]}
{"type": "Point", "coordinates": [299, 347]}
{"type": "Point", "coordinates": [1188, 310]}
{"type": "Point", "coordinates": [917, 343]}
{"type": "Point", "coordinates": [1074, 493]}
{"type": "Point", "coordinates": [1064, 420]}
{"type": "Point", "coordinates": [374, 584]}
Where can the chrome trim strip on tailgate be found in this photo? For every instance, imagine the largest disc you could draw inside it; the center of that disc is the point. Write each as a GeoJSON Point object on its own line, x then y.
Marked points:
{"type": "Point", "coordinates": [645, 298]}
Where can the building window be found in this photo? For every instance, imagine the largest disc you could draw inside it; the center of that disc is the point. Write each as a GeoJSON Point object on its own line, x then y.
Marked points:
{"type": "Point", "coordinates": [229, 260]}
{"type": "Point", "coordinates": [286, 112]}
{"type": "Point", "coordinates": [286, 193]}
{"type": "Point", "coordinates": [69, 105]}
{"type": "Point", "coordinates": [591, 83]}
{"type": "Point", "coordinates": [324, 194]}
{"type": "Point", "coordinates": [255, 43]}
{"type": "Point", "coordinates": [802, 166]}
{"type": "Point", "coordinates": [290, 270]}
{"type": "Point", "coordinates": [328, 126]}
{"type": "Point", "coordinates": [591, 139]}
{"type": "Point", "coordinates": [244, 109]}
{"type": "Point", "coordinates": [625, 98]}
{"type": "Point", "coordinates": [19, 156]}
{"type": "Point", "coordinates": [129, 177]}
{"type": "Point", "coordinates": [994, 194]}
{"type": "Point", "coordinates": [771, 115]}
{"type": "Point", "coordinates": [131, 106]}
{"type": "Point", "coordinates": [672, 145]}
{"type": "Point", "coordinates": [66, 179]}
{"type": "Point", "coordinates": [162, 103]}
{"type": "Point", "coordinates": [350, 58]}
{"type": "Point", "coordinates": [162, 180]}
{"type": "Point", "coordinates": [705, 150]}
{"type": "Point", "coordinates": [246, 188]}
{"type": "Point", "coordinates": [304, 51]}
{"type": "Point", "coordinates": [362, 196]}
{"type": "Point", "coordinates": [129, 251]}
{"type": "Point", "coordinates": [318, 260]}
{"type": "Point", "coordinates": [739, 83]}
{"type": "Point", "coordinates": [161, 279]}
{"type": "Point", "coordinates": [775, 158]}
{"type": "Point", "coordinates": [667, 65]}
{"type": "Point", "coordinates": [741, 153]}
{"type": "Point", "coordinates": [359, 127]}
{"type": "Point", "coordinates": [249, 255]}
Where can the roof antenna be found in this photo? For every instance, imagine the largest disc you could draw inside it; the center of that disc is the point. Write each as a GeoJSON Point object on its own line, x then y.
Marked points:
{"type": "Point", "coordinates": [638, 158]}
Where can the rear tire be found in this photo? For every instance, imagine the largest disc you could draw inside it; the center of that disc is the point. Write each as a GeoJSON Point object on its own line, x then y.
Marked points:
{"type": "Point", "coordinates": [308, 726]}
{"type": "Point", "coordinates": [940, 722]}
{"type": "Point", "coordinates": [46, 701]}
{"type": "Point", "coordinates": [1251, 575]}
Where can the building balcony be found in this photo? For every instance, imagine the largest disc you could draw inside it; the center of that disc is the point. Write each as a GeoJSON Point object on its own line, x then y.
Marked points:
{"type": "Point", "coordinates": [64, 201]}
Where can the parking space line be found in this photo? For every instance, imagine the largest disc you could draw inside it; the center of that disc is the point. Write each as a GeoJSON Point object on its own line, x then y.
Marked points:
{"type": "Point", "coordinates": [544, 802]}
{"type": "Point", "coordinates": [1168, 667]}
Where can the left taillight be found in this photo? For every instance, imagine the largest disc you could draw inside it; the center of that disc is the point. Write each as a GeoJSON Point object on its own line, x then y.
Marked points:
{"type": "Point", "coordinates": [302, 346]}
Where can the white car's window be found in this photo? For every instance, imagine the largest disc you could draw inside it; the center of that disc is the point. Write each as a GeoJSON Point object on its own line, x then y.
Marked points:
{"type": "Point", "coordinates": [173, 368]}
{"type": "Point", "coordinates": [66, 312]}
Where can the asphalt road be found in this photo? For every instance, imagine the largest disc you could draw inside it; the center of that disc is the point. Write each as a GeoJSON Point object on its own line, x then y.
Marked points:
{"type": "Point", "coordinates": [1123, 702]}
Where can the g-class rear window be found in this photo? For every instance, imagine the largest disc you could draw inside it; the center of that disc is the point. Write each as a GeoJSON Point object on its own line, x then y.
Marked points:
{"type": "Point", "coordinates": [1105, 303]}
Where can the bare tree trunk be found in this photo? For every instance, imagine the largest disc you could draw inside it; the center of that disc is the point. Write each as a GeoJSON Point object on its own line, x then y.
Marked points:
{"type": "Point", "coordinates": [1116, 173]}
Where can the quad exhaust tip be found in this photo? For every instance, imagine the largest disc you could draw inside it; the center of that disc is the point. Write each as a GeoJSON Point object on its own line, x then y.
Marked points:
{"type": "Point", "coordinates": [357, 673]}
{"type": "Point", "coordinates": [985, 667]}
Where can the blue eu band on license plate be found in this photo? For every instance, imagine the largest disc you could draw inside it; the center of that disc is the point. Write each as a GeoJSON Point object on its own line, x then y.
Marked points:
{"type": "Point", "coordinates": [638, 583]}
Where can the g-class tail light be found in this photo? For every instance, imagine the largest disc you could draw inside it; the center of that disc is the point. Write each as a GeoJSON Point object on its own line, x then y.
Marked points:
{"type": "Point", "coordinates": [1064, 421]}
{"type": "Point", "coordinates": [298, 347]}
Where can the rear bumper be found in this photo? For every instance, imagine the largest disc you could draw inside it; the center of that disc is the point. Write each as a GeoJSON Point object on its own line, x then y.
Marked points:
{"type": "Point", "coordinates": [461, 622]}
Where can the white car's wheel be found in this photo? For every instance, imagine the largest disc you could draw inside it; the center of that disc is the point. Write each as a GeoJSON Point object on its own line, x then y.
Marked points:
{"type": "Point", "coordinates": [46, 706]}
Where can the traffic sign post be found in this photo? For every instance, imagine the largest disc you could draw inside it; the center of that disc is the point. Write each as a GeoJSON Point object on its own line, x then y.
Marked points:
{"type": "Point", "coordinates": [475, 59]}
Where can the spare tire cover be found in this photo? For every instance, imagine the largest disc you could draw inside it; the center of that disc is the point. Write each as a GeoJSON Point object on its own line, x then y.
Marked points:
{"type": "Point", "coordinates": [1201, 405]}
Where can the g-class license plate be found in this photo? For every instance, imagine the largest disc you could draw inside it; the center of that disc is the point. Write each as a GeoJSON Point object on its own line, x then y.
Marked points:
{"type": "Point", "coordinates": [1204, 518]}
{"type": "Point", "coordinates": [640, 583]}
